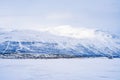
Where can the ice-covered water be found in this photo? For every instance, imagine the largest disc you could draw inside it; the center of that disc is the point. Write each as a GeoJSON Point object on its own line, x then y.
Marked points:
{"type": "Point", "coordinates": [60, 69]}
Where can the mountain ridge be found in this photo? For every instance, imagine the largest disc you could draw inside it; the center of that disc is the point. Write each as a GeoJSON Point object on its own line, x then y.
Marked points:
{"type": "Point", "coordinates": [43, 42]}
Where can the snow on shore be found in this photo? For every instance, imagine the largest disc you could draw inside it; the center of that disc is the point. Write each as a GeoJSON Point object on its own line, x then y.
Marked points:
{"type": "Point", "coordinates": [60, 69]}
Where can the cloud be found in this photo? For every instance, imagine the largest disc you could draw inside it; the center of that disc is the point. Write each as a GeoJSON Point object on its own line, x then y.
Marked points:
{"type": "Point", "coordinates": [20, 22]}
{"type": "Point", "coordinates": [68, 31]}
{"type": "Point", "coordinates": [33, 22]}
{"type": "Point", "coordinates": [57, 16]}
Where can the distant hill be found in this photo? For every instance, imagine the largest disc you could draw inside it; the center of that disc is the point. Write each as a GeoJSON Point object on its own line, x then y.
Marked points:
{"type": "Point", "coordinates": [89, 43]}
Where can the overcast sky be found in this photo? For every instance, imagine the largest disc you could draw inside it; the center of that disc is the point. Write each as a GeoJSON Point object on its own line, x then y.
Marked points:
{"type": "Point", "coordinates": [34, 14]}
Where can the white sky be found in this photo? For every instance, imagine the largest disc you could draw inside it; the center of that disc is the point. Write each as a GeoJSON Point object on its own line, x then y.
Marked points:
{"type": "Point", "coordinates": [34, 14]}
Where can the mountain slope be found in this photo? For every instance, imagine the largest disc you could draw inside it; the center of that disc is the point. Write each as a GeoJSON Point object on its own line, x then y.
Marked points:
{"type": "Point", "coordinates": [75, 42]}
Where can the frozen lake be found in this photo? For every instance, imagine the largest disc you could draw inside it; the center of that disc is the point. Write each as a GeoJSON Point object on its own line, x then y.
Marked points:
{"type": "Point", "coordinates": [60, 69]}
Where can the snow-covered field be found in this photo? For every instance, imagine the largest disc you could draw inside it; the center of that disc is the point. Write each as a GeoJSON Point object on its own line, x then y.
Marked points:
{"type": "Point", "coordinates": [60, 69]}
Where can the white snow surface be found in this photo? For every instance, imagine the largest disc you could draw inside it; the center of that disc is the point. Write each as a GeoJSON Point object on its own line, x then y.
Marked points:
{"type": "Point", "coordinates": [60, 69]}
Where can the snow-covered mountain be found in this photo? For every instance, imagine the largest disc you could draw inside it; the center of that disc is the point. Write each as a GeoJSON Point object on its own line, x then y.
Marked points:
{"type": "Point", "coordinates": [60, 40]}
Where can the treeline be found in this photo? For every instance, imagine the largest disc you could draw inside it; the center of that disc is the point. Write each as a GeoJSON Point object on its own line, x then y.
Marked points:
{"type": "Point", "coordinates": [34, 56]}
{"type": "Point", "coordinates": [48, 56]}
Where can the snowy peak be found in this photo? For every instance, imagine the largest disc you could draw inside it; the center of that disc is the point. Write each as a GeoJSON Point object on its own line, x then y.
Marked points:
{"type": "Point", "coordinates": [61, 31]}
{"type": "Point", "coordinates": [60, 40]}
